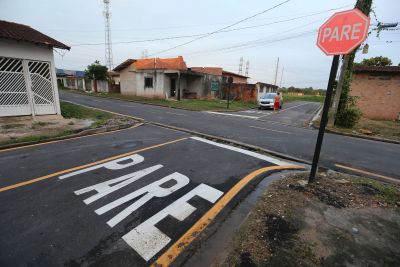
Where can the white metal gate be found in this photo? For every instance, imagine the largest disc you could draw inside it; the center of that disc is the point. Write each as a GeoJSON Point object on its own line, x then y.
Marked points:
{"type": "Point", "coordinates": [26, 87]}
{"type": "Point", "coordinates": [42, 87]}
{"type": "Point", "coordinates": [14, 100]}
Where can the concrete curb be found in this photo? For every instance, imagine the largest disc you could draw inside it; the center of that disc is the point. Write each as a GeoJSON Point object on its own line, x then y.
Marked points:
{"type": "Point", "coordinates": [146, 103]}
{"type": "Point", "coordinates": [385, 140]}
{"type": "Point", "coordinates": [78, 133]}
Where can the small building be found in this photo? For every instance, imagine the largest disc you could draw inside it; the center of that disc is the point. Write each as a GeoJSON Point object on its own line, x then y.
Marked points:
{"type": "Point", "coordinates": [237, 78]}
{"type": "Point", "coordinates": [160, 78]}
{"type": "Point", "coordinates": [73, 79]}
{"type": "Point", "coordinates": [28, 84]}
{"type": "Point", "coordinates": [377, 90]}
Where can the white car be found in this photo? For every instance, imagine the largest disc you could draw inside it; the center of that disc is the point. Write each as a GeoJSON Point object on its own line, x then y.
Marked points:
{"type": "Point", "coordinates": [267, 101]}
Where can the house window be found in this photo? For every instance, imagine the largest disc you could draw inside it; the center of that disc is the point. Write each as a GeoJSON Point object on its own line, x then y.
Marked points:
{"type": "Point", "coordinates": [148, 82]}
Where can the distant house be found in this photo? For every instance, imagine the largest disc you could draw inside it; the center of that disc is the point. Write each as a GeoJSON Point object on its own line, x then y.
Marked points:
{"type": "Point", "coordinates": [73, 79]}
{"type": "Point", "coordinates": [28, 83]}
{"type": "Point", "coordinates": [160, 78]}
{"type": "Point", "coordinates": [378, 91]}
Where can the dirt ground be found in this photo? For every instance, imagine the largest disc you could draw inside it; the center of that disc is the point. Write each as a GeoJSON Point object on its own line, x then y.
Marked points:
{"type": "Point", "coordinates": [340, 220]}
{"type": "Point", "coordinates": [43, 127]}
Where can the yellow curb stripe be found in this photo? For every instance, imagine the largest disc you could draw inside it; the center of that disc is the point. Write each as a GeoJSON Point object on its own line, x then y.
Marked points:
{"type": "Point", "coordinates": [73, 138]}
{"type": "Point", "coordinates": [184, 241]}
{"type": "Point", "coordinates": [369, 173]}
{"type": "Point", "coordinates": [86, 165]}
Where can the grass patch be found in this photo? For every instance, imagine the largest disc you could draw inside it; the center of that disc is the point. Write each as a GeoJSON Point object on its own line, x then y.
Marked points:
{"type": "Point", "coordinates": [310, 98]}
{"type": "Point", "coordinates": [34, 138]}
{"type": "Point", "coordinates": [69, 111]}
{"type": "Point", "coordinates": [377, 128]}
{"type": "Point", "coordinates": [12, 126]}
{"type": "Point", "coordinates": [191, 104]}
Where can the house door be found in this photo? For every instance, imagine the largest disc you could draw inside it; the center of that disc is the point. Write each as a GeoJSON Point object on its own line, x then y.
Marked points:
{"type": "Point", "coordinates": [173, 88]}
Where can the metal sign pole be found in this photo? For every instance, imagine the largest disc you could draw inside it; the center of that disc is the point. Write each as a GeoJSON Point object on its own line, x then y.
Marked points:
{"type": "Point", "coordinates": [230, 81]}
{"type": "Point", "coordinates": [324, 117]}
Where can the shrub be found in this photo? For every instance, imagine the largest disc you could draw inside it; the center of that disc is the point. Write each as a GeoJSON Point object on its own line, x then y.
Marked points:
{"type": "Point", "coordinates": [349, 117]}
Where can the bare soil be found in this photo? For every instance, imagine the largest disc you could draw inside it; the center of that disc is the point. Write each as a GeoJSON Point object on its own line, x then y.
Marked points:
{"type": "Point", "coordinates": [340, 220]}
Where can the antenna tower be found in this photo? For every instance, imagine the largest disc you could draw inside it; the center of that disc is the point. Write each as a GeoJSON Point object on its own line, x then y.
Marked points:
{"type": "Point", "coordinates": [241, 65]}
{"type": "Point", "coordinates": [107, 41]}
{"type": "Point", "coordinates": [247, 68]}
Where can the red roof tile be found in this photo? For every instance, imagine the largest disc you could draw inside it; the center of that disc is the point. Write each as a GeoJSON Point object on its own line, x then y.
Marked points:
{"type": "Point", "coordinates": [228, 73]}
{"type": "Point", "coordinates": [161, 63]}
{"type": "Point", "coordinates": [208, 70]}
{"type": "Point", "coordinates": [20, 32]}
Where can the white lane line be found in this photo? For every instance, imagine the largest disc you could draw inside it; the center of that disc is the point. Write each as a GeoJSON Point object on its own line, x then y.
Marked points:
{"type": "Point", "coordinates": [269, 129]}
{"type": "Point", "coordinates": [243, 151]}
{"type": "Point", "coordinates": [179, 114]}
{"type": "Point", "coordinates": [234, 115]}
{"type": "Point", "coordinates": [287, 109]}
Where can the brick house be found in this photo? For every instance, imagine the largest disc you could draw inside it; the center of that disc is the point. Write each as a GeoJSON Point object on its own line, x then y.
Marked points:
{"type": "Point", "coordinates": [377, 90]}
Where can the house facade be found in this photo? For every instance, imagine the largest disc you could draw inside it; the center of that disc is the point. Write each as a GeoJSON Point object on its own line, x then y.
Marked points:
{"type": "Point", "coordinates": [28, 84]}
{"type": "Point", "coordinates": [377, 90]}
{"type": "Point", "coordinates": [73, 79]}
{"type": "Point", "coordinates": [160, 78]}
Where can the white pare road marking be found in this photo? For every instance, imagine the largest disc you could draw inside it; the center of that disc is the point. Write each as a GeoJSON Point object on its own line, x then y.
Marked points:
{"type": "Point", "coordinates": [262, 128]}
{"type": "Point", "coordinates": [104, 188]}
{"type": "Point", "coordinates": [243, 151]}
{"type": "Point", "coordinates": [147, 240]}
{"type": "Point", "coordinates": [233, 115]}
{"type": "Point", "coordinates": [149, 191]}
{"type": "Point", "coordinates": [111, 165]}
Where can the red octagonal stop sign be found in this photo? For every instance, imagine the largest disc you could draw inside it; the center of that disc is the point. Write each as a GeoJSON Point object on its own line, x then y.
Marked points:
{"type": "Point", "coordinates": [343, 32]}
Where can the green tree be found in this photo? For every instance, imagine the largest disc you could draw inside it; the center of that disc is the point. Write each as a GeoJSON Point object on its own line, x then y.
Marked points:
{"type": "Point", "coordinates": [376, 61]}
{"type": "Point", "coordinates": [96, 72]}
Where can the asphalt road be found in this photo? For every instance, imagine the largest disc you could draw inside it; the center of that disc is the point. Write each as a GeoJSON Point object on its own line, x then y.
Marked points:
{"type": "Point", "coordinates": [276, 132]}
{"type": "Point", "coordinates": [126, 198]}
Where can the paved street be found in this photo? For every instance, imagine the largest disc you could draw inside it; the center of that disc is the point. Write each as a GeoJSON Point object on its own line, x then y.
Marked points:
{"type": "Point", "coordinates": [126, 198]}
{"type": "Point", "coordinates": [338, 152]}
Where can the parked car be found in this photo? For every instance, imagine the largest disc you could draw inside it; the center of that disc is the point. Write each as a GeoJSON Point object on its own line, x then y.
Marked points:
{"type": "Point", "coordinates": [267, 101]}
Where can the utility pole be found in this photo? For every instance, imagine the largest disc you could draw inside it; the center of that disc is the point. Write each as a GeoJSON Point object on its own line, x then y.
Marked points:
{"type": "Point", "coordinates": [338, 92]}
{"type": "Point", "coordinates": [247, 68]}
{"type": "Point", "coordinates": [241, 65]}
{"type": "Point", "coordinates": [280, 83]}
{"type": "Point", "coordinates": [276, 71]}
{"type": "Point", "coordinates": [107, 42]}
{"type": "Point", "coordinates": [347, 67]}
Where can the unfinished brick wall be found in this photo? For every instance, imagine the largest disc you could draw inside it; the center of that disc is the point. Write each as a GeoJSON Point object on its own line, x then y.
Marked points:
{"type": "Point", "coordinates": [378, 94]}
{"type": "Point", "coordinates": [244, 91]}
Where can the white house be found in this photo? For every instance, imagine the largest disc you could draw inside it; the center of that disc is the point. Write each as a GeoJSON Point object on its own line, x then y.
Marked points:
{"type": "Point", "coordinates": [160, 78]}
{"type": "Point", "coordinates": [28, 84]}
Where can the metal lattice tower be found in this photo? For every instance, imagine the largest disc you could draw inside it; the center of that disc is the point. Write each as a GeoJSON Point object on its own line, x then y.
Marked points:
{"type": "Point", "coordinates": [247, 68]}
{"type": "Point", "coordinates": [107, 41]}
{"type": "Point", "coordinates": [241, 65]}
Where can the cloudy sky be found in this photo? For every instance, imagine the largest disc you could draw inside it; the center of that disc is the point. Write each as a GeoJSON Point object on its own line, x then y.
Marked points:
{"type": "Point", "coordinates": [287, 32]}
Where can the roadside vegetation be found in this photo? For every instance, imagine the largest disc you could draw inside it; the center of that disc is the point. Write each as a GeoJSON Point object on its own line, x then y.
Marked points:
{"type": "Point", "coordinates": [190, 104]}
{"type": "Point", "coordinates": [76, 119]}
{"type": "Point", "coordinates": [328, 223]}
{"type": "Point", "coordinates": [312, 98]}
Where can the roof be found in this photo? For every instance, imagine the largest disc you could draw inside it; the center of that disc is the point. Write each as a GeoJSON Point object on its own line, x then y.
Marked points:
{"type": "Point", "coordinates": [377, 69]}
{"type": "Point", "coordinates": [228, 73]}
{"type": "Point", "coordinates": [208, 70]}
{"type": "Point", "coordinates": [268, 85]}
{"type": "Point", "coordinates": [161, 63]}
{"type": "Point", "coordinates": [124, 64]}
{"type": "Point", "coordinates": [20, 32]}
{"type": "Point", "coordinates": [70, 73]}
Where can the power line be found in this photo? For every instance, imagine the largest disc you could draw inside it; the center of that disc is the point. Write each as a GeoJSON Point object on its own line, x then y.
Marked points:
{"type": "Point", "coordinates": [205, 34]}
{"type": "Point", "coordinates": [221, 29]}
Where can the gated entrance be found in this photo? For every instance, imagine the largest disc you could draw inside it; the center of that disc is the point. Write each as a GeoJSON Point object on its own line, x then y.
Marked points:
{"type": "Point", "coordinates": [26, 87]}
